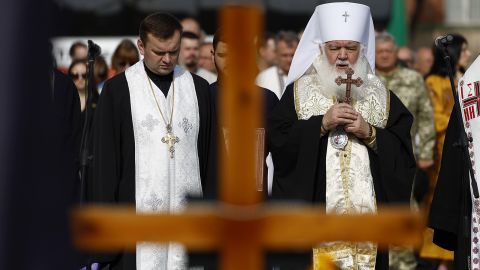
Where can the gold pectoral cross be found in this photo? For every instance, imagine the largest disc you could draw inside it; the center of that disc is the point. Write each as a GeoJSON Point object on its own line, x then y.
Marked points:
{"type": "Point", "coordinates": [170, 139]}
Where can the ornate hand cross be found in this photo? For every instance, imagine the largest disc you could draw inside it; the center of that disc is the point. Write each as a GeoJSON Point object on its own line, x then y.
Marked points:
{"type": "Point", "coordinates": [348, 81]}
{"type": "Point", "coordinates": [170, 139]}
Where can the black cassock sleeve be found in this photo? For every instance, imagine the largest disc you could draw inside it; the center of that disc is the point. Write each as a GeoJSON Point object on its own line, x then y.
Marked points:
{"type": "Point", "coordinates": [114, 150]}
{"type": "Point", "coordinates": [449, 202]}
{"type": "Point", "coordinates": [67, 111]}
{"type": "Point", "coordinates": [393, 165]}
{"type": "Point", "coordinates": [207, 139]}
{"type": "Point", "coordinates": [294, 145]}
{"type": "Point", "coordinates": [113, 178]}
{"type": "Point", "coordinates": [299, 154]}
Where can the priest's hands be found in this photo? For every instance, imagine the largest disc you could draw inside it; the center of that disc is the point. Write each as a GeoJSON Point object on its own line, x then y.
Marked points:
{"type": "Point", "coordinates": [343, 114]}
{"type": "Point", "coordinates": [339, 115]}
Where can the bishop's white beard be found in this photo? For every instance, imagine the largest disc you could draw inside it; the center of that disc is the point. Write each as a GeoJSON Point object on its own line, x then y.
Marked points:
{"type": "Point", "coordinates": [328, 73]}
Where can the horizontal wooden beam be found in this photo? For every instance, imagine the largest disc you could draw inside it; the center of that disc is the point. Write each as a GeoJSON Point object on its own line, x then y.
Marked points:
{"type": "Point", "coordinates": [104, 228]}
{"type": "Point", "coordinates": [300, 228]}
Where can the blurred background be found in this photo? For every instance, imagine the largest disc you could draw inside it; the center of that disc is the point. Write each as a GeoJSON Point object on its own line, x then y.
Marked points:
{"type": "Point", "coordinates": [414, 23]}
{"type": "Point", "coordinates": [35, 168]}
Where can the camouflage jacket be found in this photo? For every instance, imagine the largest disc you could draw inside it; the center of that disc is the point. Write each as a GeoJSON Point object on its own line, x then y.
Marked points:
{"type": "Point", "coordinates": [409, 86]}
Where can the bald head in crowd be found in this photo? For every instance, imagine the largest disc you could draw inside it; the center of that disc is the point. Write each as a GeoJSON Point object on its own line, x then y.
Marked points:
{"type": "Point", "coordinates": [423, 60]}
{"type": "Point", "coordinates": [405, 57]}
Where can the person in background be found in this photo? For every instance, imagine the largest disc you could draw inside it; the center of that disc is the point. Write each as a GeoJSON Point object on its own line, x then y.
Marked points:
{"type": "Point", "coordinates": [100, 73]}
{"type": "Point", "coordinates": [124, 56]}
{"type": "Point", "coordinates": [205, 58]}
{"type": "Point", "coordinates": [78, 72]}
{"type": "Point", "coordinates": [266, 52]}
{"type": "Point", "coordinates": [275, 77]}
{"type": "Point", "coordinates": [438, 86]}
{"type": "Point", "coordinates": [423, 60]}
{"type": "Point", "coordinates": [78, 51]}
{"type": "Point", "coordinates": [409, 86]}
{"type": "Point", "coordinates": [191, 25]}
{"type": "Point", "coordinates": [189, 56]}
{"type": "Point", "coordinates": [219, 56]}
{"type": "Point", "coordinates": [405, 57]}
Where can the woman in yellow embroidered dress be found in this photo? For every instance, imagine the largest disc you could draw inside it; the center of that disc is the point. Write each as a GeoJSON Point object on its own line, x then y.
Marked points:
{"type": "Point", "coordinates": [438, 86]}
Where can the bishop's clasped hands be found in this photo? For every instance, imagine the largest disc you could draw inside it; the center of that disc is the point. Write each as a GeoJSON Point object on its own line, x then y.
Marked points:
{"type": "Point", "coordinates": [343, 114]}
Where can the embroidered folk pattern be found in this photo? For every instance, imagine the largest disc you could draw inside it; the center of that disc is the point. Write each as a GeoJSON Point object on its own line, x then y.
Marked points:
{"type": "Point", "coordinates": [470, 95]}
{"type": "Point", "coordinates": [475, 259]}
{"type": "Point", "coordinates": [475, 256]}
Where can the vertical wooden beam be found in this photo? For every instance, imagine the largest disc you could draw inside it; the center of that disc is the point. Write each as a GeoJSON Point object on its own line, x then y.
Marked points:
{"type": "Point", "coordinates": [240, 115]}
{"type": "Point", "coordinates": [242, 250]}
{"type": "Point", "coordinates": [240, 104]}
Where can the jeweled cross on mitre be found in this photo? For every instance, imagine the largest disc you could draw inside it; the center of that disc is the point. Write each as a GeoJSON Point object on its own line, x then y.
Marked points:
{"type": "Point", "coordinates": [346, 16]}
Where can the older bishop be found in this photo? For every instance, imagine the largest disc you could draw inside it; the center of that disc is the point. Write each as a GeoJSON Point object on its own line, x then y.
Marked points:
{"type": "Point", "coordinates": [375, 163]}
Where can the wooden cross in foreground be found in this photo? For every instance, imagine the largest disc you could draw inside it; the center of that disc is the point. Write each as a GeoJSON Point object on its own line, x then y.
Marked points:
{"type": "Point", "coordinates": [240, 227]}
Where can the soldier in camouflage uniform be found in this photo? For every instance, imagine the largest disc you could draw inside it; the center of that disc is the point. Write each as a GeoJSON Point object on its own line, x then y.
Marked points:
{"type": "Point", "coordinates": [409, 86]}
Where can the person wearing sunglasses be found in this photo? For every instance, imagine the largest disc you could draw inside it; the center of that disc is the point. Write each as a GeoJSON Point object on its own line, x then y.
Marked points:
{"type": "Point", "coordinates": [78, 72]}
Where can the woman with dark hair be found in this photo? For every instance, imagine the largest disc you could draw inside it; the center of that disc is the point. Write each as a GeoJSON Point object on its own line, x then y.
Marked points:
{"type": "Point", "coordinates": [100, 73]}
{"type": "Point", "coordinates": [125, 55]}
{"type": "Point", "coordinates": [438, 86]}
{"type": "Point", "coordinates": [78, 72]}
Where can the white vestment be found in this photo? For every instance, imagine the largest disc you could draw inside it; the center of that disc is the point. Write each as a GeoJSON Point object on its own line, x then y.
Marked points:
{"type": "Point", "coordinates": [209, 76]}
{"type": "Point", "coordinates": [349, 182]}
{"type": "Point", "coordinates": [162, 182]}
{"type": "Point", "coordinates": [272, 79]}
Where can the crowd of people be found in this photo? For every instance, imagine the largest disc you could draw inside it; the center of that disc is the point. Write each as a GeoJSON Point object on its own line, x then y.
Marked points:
{"type": "Point", "coordinates": [381, 145]}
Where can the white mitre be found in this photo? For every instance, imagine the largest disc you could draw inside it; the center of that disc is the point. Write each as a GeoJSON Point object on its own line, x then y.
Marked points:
{"type": "Point", "coordinates": [333, 21]}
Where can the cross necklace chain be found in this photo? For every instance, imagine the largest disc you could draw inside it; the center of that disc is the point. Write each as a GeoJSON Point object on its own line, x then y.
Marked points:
{"type": "Point", "coordinates": [170, 139]}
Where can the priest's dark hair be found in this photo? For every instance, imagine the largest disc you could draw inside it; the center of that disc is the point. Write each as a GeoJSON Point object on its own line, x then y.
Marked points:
{"type": "Point", "coordinates": [160, 24]}
{"type": "Point", "coordinates": [218, 37]}
{"type": "Point", "coordinates": [454, 50]}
